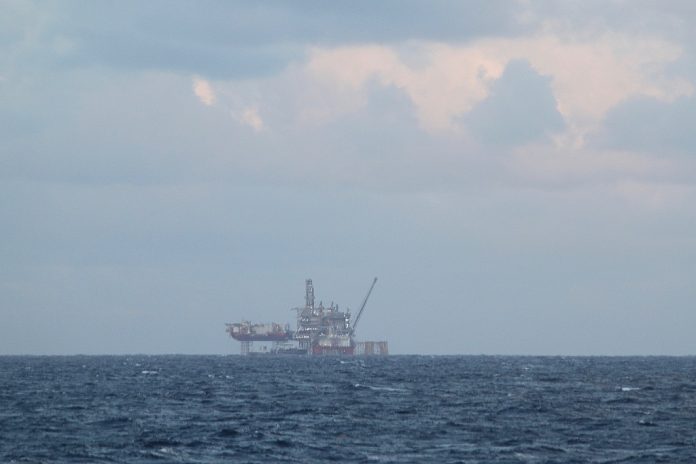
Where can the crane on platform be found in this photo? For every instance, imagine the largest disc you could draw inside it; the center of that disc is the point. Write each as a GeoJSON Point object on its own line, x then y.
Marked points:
{"type": "Point", "coordinates": [362, 307]}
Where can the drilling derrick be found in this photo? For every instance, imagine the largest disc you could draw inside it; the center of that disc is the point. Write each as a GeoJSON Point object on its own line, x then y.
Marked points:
{"type": "Point", "coordinates": [309, 294]}
{"type": "Point", "coordinates": [308, 319]}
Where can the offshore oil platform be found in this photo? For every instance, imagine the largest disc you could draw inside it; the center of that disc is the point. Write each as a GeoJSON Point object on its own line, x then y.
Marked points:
{"type": "Point", "coordinates": [320, 331]}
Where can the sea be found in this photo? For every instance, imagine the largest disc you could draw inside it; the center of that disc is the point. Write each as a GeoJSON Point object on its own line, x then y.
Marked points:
{"type": "Point", "coordinates": [396, 409]}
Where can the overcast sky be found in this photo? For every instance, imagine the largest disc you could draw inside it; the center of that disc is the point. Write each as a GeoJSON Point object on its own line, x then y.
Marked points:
{"type": "Point", "coordinates": [519, 175]}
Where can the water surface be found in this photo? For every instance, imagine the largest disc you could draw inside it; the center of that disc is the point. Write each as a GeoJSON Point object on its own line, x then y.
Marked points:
{"type": "Point", "coordinates": [470, 409]}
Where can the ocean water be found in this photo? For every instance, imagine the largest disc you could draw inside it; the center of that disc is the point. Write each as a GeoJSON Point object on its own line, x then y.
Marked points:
{"type": "Point", "coordinates": [416, 409]}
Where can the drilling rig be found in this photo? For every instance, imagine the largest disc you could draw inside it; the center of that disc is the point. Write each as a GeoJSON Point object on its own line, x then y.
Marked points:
{"type": "Point", "coordinates": [321, 331]}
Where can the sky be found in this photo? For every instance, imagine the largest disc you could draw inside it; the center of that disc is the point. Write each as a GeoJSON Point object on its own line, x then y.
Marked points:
{"type": "Point", "coordinates": [519, 175]}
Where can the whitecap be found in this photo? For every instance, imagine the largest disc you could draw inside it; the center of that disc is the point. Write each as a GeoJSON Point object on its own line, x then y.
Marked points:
{"type": "Point", "coordinates": [388, 389]}
{"type": "Point", "coordinates": [373, 388]}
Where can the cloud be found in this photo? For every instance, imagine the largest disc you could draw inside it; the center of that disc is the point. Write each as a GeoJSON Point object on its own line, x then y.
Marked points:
{"type": "Point", "coordinates": [449, 81]}
{"type": "Point", "coordinates": [650, 125]}
{"type": "Point", "coordinates": [455, 117]}
{"type": "Point", "coordinates": [520, 109]}
{"type": "Point", "coordinates": [549, 167]}
{"type": "Point", "coordinates": [235, 39]}
{"type": "Point", "coordinates": [587, 76]}
{"type": "Point", "coordinates": [655, 195]}
{"type": "Point", "coordinates": [250, 116]}
{"type": "Point", "coordinates": [203, 90]}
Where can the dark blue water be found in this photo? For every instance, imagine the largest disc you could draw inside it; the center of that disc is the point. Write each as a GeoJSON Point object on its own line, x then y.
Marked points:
{"type": "Point", "coordinates": [142, 409]}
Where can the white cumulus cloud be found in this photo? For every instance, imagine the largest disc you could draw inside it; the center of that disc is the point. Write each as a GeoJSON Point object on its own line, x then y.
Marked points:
{"type": "Point", "coordinates": [588, 77]}
{"type": "Point", "coordinates": [204, 91]}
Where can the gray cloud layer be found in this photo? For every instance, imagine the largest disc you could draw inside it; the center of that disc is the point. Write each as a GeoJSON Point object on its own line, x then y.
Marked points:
{"type": "Point", "coordinates": [651, 126]}
{"type": "Point", "coordinates": [241, 38]}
